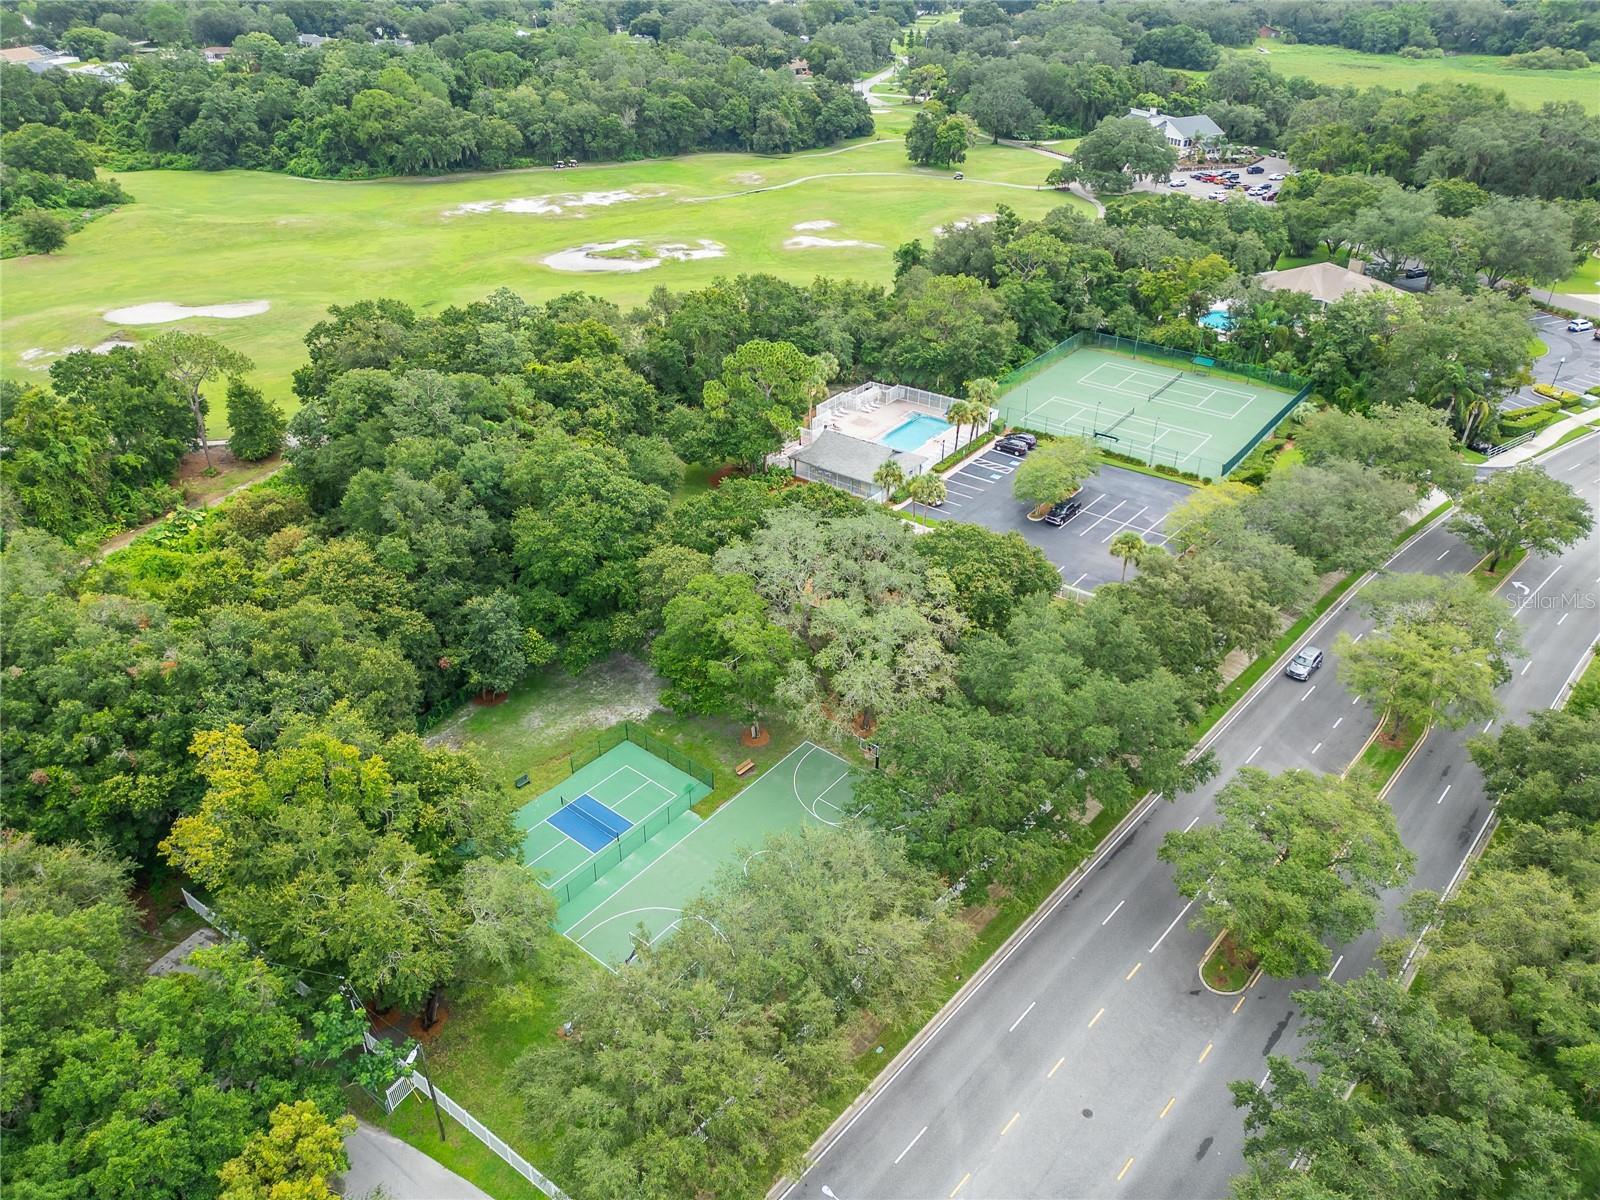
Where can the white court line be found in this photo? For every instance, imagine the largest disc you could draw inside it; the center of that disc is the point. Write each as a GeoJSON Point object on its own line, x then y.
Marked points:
{"type": "Point", "coordinates": [565, 838]}
{"type": "Point", "coordinates": [910, 1144]}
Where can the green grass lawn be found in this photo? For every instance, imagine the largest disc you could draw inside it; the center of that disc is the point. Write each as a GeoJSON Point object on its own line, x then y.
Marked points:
{"type": "Point", "coordinates": [1224, 972]}
{"type": "Point", "coordinates": [1287, 261]}
{"type": "Point", "coordinates": [202, 238]}
{"type": "Point", "coordinates": [1338, 67]}
{"type": "Point", "coordinates": [1583, 281]}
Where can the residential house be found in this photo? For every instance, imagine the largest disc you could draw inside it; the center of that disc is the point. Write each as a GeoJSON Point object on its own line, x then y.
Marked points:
{"type": "Point", "coordinates": [312, 40]}
{"type": "Point", "coordinates": [800, 68]}
{"type": "Point", "coordinates": [215, 54]}
{"type": "Point", "coordinates": [1267, 31]}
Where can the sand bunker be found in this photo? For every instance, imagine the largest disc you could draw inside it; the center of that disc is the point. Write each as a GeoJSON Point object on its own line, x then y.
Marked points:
{"type": "Point", "coordinates": [630, 254]}
{"type": "Point", "coordinates": [163, 311]}
{"type": "Point", "coordinates": [816, 243]}
{"type": "Point", "coordinates": [804, 226]}
{"type": "Point", "coordinates": [964, 223]}
{"type": "Point", "coordinates": [110, 344]}
{"type": "Point", "coordinates": [561, 202]}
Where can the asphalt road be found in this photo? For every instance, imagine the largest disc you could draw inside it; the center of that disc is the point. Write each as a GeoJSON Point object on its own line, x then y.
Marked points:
{"type": "Point", "coordinates": [1579, 372]}
{"type": "Point", "coordinates": [1113, 500]}
{"type": "Point", "coordinates": [1091, 1062]}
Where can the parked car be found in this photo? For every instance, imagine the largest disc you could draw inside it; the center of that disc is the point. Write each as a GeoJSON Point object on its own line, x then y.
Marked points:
{"type": "Point", "coordinates": [1177, 183]}
{"type": "Point", "coordinates": [1061, 513]}
{"type": "Point", "coordinates": [1579, 325]}
{"type": "Point", "coordinates": [1027, 439]}
{"type": "Point", "coordinates": [1303, 665]}
{"type": "Point", "coordinates": [1416, 272]}
{"type": "Point", "coordinates": [1258, 170]}
{"type": "Point", "coordinates": [1015, 447]}
{"type": "Point", "coordinates": [1217, 196]}
{"type": "Point", "coordinates": [959, 175]}
{"type": "Point", "coordinates": [1276, 177]}
{"type": "Point", "coordinates": [1270, 197]}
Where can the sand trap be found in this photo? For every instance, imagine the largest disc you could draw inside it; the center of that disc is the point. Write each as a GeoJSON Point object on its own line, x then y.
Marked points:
{"type": "Point", "coordinates": [816, 243]}
{"type": "Point", "coordinates": [965, 223]}
{"type": "Point", "coordinates": [162, 311]}
{"type": "Point", "coordinates": [110, 344]}
{"type": "Point", "coordinates": [630, 254]}
{"type": "Point", "coordinates": [553, 205]}
{"type": "Point", "coordinates": [804, 226]}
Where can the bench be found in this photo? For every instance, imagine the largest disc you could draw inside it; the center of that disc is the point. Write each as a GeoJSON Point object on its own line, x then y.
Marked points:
{"type": "Point", "coordinates": [522, 781]}
{"type": "Point", "coordinates": [745, 767]}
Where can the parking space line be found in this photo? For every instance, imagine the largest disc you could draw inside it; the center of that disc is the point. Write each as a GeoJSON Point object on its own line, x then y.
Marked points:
{"type": "Point", "coordinates": [1123, 525]}
{"type": "Point", "coordinates": [1103, 516]}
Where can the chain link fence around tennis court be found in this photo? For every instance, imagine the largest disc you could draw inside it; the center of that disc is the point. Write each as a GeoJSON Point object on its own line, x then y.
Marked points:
{"type": "Point", "coordinates": [1178, 460]}
{"type": "Point", "coordinates": [610, 739]}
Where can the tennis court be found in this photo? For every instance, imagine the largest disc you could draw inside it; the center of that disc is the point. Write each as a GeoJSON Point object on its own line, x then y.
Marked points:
{"type": "Point", "coordinates": [1187, 414]}
{"type": "Point", "coordinates": [649, 888]}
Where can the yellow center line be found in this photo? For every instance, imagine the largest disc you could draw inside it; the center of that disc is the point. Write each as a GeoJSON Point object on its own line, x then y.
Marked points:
{"type": "Point", "coordinates": [1206, 1051]}
{"type": "Point", "coordinates": [1239, 1005]}
{"type": "Point", "coordinates": [1168, 1108]}
{"type": "Point", "coordinates": [960, 1185]}
{"type": "Point", "coordinates": [1059, 1061]}
{"type": "Point", "coordinates": [1096, 1017]}
{"type": "Point", "coordinates": [1129, 976]}
{"type": "Point", "coordinates": [1010, 1123]}
{"type": "Point", "coordinates": [1124, 1170]}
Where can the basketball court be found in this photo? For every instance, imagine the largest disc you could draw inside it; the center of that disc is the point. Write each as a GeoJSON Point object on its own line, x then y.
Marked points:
{"type": "Point", "coordinates": [649, 886]}
{"type": "Point", "coordinates": [1188, 416]}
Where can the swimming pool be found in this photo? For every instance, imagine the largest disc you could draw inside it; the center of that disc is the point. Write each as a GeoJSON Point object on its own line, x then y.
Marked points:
{"type": "Point", "coordinates": [910, 435]}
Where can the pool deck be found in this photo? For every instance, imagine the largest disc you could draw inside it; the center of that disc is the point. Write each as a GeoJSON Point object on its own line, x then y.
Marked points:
{"type": "Point", "coordinates": [872, 424]}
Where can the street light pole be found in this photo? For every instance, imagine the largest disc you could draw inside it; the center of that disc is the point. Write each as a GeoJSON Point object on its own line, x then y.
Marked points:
{"type": "Point", "coordinates": [1559, 364]}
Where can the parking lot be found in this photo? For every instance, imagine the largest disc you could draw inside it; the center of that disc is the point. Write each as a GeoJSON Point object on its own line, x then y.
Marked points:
{"type": "Point", "coordinates": [1200, 190]}
{"type": "Point", "coordinates": [1579, 373]}
{"type": "Point", "coordinates": [1113, 500]}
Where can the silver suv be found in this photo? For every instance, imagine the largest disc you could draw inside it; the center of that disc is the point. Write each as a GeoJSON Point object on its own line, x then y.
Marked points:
{"type": "Point", "coordinates": [1304, 664]}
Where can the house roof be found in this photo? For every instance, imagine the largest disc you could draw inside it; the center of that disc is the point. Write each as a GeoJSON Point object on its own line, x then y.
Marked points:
{"type": "Point", "coordinates": [21, 54]}
{"type": "Point", "coordinates": [1199, 126]}
{"type": "Point", "coordinates": [1324, 282]}
{"type": "Point", "coordinates": [852, 457]}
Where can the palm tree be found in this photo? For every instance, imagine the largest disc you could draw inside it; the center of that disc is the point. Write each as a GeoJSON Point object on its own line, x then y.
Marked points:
{"type": "Point", "coordinates": [889, 476]}
{"type": "Point", "coordinates": [1129, 547]}
{"type": "Point", "coordinates": [960, 413]}
{"type": "Point", "coordinates": [928, 491]}
{"type": "Point", "coordinates": [983, 395]}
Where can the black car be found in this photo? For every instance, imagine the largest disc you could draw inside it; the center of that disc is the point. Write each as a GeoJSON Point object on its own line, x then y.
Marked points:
{"type": "Point", "coordinates": [1416, 272]}
{"type": "Point", "coordinates": [1256, 170]}
{"type": "Point", "coordinates": [1015, 447]}
{"type": "Point", "coordinates": [1063, 512]}
{"type": "Point", "coordinates": [1027, 439]}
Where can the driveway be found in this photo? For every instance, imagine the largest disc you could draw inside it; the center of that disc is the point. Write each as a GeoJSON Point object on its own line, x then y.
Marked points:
{"type": "Point", "coordinates": [379, 1159]}
{"type": "Point", "coordinates": [1113, 500]}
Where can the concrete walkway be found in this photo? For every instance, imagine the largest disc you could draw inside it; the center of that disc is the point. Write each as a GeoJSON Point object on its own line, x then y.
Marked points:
{"type": "Point", "coordinates": [1540, 442]}
{"type": "Point", "coordinates": [381, 1160]}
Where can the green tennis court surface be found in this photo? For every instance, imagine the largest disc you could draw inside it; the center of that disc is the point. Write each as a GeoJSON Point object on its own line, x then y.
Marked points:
{"type": "Point", "coordinates": [1196, 419]}
{"type": "Point", "coordinates": [650, 886]}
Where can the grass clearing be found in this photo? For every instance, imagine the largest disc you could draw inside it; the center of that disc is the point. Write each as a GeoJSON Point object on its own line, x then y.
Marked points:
{"type": "Point", "coordinates": [1489, 580]}
{"type": "Point", "coordinates": [1337, 67]}
{"type": "Point", "coordinates": [203, 238]}
{"type": "Point", "coordinates": [1583, 281]}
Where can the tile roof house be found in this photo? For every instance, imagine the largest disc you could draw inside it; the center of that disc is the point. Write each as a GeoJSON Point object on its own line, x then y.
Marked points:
{"type": "Point", "coordinates": [1323, 282]}
{"type": "Point", "coordinates": [1181, 132]}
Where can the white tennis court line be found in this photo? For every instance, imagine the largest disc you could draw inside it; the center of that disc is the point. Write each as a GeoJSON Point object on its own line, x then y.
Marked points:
{"type": "Point", "coordinates": [1157, 381]}
{"type": "Point", "coordinates": [1136, 420]}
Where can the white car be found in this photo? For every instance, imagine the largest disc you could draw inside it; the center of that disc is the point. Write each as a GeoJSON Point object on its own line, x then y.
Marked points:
{"type": "Point", "coordinates": [1217, 196]}
{"type": "Point", "coordinates": [1276, 176]}
{"type": "Point", "coordinates": [1579, 325]}
{"type": "Point", "coordinates": [1177, 183]}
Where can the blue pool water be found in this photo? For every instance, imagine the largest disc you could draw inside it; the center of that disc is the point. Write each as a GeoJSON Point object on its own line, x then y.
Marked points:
{"type": "Point", "coordinates": [908, 435]}
{"type": "Point", "coordinates": [1217, 319]}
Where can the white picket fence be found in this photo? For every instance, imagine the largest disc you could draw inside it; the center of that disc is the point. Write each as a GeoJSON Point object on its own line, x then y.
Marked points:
{"type": "Point", "coordinates": [414, 1081]}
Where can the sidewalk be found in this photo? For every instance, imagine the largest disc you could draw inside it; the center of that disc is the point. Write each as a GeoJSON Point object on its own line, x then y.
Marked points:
{"type": "Point", "coordinates": [1542, 441]}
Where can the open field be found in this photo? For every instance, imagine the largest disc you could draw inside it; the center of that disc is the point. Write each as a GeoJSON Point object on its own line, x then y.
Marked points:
{"type": "Point", "coordinates": [205, 239]}
{"type": "Point", "coordinates": [1339, 67]}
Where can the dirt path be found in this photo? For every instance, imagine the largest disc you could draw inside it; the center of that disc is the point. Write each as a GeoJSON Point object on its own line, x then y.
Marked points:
{"type": "Point", "coordinates": [121, 540]}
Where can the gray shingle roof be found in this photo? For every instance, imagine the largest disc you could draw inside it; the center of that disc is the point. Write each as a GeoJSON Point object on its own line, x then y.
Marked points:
{"type": "Point", "coordinates": [852, 457]}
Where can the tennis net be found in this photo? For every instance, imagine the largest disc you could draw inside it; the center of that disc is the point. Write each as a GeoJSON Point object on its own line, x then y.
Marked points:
{"type": "Point", "coordinates": [1166, 385]}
